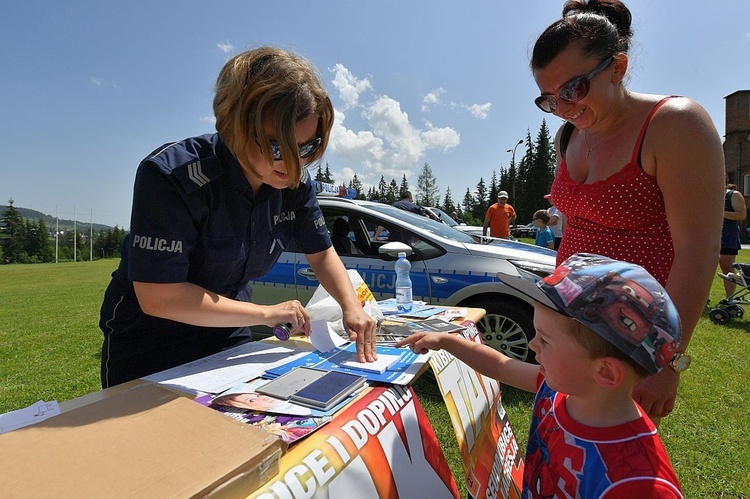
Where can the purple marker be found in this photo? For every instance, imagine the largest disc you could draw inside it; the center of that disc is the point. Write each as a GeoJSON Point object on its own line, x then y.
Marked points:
{"type": "Point", "coordinates": [282, 331]}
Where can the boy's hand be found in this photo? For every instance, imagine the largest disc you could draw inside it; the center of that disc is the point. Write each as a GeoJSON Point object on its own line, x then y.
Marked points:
{"type": "Point", "coordinates": [421, 342]}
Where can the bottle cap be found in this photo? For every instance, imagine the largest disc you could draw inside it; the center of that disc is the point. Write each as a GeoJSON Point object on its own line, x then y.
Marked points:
{"type": "Point", "coordinates": [402, 254]}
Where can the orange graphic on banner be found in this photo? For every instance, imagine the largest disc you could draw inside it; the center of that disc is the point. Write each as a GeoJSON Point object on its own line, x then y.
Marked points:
{"type": "Point", "coordinates": [493, 464]}
{"type": "Point", "coordinates": [382, 445]}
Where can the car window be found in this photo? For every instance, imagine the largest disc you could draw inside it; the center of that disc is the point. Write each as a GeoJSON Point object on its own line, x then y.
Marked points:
{"type": "Point", "coordinates": [446, 219]}
{"type": "Point", "coordinates": [424, 223]}
{"type": "Point", "coordinates": [368, 233]}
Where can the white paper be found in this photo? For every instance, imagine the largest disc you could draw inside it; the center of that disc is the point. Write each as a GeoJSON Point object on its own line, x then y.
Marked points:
{"type": "Point", "coordinates": [379, 366]}
{"type": "Point", "coordinates": [323, 338]}
{"type": "Point", "coordinates": [32, 414]}
{"type": "Point", "coordinates": [225, 369]}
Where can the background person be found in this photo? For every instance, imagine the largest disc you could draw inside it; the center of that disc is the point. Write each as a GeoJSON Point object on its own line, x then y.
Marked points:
{"type": "Point", "coordinates": [544, 236]}
{"type": "Point", "coordinates": [211, 213]}
{"type": "Point", "coordinates": [735, 211]}
{"type": "Point", "coordinates": [499, 217]}
{"type": "Point", "coordinates": [407, 203]}
{"type": "Point", "coordinates": [639, 176]}
{"type": "Point", "coordinates": [588, 437]}
{"type": "Point", "coordinates": [557, 221]}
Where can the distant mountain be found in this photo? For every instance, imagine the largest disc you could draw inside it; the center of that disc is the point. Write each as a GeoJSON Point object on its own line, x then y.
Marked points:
{"type": "Point", "coordinates": [51, 222]}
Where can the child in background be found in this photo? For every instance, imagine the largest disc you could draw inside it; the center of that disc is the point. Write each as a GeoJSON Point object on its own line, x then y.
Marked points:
{"type": "Point", "coordinates": [544, 235]}
{"type": "Point", "coordinates": [602, 325]}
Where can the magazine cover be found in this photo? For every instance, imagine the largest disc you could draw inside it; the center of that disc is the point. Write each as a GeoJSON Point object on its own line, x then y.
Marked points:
{"type": "Point", "coordinates": [287, 427]}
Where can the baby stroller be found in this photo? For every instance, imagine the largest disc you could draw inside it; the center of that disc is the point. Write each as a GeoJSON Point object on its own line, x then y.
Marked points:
{"type": "Point", "coordinates": [731, 306]}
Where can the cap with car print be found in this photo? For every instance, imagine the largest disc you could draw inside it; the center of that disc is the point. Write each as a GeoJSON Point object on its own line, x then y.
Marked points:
{"type": "Point", "coordinates": [619, 301]}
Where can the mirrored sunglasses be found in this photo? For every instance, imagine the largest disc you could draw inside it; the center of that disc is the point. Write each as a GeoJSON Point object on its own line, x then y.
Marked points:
{"type": "Point", "coordinates": [305, 150]}
{"type": "Point", "coordinates": [572, 90]}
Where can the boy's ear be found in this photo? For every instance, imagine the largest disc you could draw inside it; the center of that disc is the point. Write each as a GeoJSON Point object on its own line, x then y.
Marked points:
{"type": "Point", "coordinates": [610, 372]}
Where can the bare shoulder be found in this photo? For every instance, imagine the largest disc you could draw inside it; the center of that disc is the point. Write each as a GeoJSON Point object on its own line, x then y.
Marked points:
{"type": "Point", "coordinates": [684, 117]}
{"type": "Point", "coordinates": [680, 128]}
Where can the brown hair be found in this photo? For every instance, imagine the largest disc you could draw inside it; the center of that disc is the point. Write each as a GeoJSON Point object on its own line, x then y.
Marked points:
{"type": "Point", "coordinates": [270, 83]}
{"type": "Point", "coordinates": [597, 347]}
{"type": "Point", "coordinates": [542, 214]}
{"type": "Point", "coordinates": [602, 27]}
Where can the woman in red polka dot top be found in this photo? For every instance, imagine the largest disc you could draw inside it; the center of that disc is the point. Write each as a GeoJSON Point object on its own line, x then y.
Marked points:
{"type": "Point", "coordinates": [639, 176]}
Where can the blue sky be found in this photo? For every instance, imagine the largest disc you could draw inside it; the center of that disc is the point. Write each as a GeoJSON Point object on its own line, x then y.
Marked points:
{"type": "Point", "coordinates": [89, 88]}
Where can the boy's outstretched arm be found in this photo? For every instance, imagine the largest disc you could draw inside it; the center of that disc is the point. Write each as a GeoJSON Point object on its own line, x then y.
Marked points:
{"type": "Point", "coordinates": [482, 358]}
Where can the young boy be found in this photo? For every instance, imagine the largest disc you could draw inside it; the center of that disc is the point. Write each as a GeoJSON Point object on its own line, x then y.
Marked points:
{"type": "Point", "coordinates": [601, 326]}
{"type": "Point", "coordinates": [544, 235]}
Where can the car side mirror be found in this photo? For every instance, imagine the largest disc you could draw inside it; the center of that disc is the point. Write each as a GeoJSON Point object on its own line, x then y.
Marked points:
{"type": "Point", "coordinates": [390, 251]}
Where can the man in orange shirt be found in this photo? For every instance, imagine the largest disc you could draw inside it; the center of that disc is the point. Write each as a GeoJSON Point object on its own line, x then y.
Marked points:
{"type": "Point", "coordinates": [500, 216]}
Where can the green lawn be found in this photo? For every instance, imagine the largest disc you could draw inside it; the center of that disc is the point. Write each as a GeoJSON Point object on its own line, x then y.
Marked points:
{"type": "Point", "coordinates": [50, 350]}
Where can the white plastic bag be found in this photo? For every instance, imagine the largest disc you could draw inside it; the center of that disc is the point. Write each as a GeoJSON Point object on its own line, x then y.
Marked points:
{"type": "Point", "coordinates": [322, 306]}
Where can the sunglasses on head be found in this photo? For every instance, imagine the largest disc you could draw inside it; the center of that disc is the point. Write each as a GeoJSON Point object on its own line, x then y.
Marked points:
{"type": "Point", "coordinates": [572, 90]}
{"type": "Point", "coordinates": [305, 150]}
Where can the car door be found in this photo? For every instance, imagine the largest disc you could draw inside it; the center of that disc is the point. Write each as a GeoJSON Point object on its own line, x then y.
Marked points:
{"type": "Point", "coordinates": [367, 234]}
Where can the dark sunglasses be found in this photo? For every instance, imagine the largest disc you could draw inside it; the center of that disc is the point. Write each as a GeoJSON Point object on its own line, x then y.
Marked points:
{"type": "Point", "coordinates": [572, 90]}
{"type": "Point", "coordinates": [305, 150]}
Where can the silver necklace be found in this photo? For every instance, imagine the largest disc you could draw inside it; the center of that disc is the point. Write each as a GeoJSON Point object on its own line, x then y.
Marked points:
{"type": "Point", "coordinates": [586, 140]}
{"type": "Point", "coordinates": [606, 135]}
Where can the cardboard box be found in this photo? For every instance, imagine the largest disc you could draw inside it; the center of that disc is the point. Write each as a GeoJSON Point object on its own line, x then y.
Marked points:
{"type": "Point", "coordinates": [143, 442]}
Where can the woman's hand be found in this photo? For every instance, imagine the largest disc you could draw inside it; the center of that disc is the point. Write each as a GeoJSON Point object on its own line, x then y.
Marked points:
{"type": "Point", "coordinates": [289, 312]}
{"type": "Point", "coordinates": [362, 329]}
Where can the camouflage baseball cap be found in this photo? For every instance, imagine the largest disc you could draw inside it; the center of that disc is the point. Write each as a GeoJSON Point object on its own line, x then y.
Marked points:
{"type": "Point", "coordinates": [619, 301]}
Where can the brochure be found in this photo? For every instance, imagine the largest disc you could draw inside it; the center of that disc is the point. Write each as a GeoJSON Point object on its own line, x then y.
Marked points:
{"type": "Point", "coordinates": [402, 372]}
{"type": "Point", "coordinates": [428, 325]}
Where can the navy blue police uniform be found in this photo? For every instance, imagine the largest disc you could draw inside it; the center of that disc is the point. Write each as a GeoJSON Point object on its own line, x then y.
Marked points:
{"type": "Point", "coordinates": [196, 219]}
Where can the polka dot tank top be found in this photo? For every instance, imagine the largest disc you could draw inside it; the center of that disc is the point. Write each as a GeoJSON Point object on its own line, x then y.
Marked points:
{"type": "Point", "coordinates": [621, 217]}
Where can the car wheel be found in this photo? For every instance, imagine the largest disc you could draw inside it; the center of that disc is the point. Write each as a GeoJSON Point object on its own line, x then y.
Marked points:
{"type": "Point", "coordinates": [508, 327]}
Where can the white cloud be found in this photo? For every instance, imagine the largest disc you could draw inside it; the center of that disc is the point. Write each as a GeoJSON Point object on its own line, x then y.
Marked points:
{"type": "Point", "coordinates": [433, 98]}
{"type": "Point", "coordinates": [390, 145]}
{"type": "Point", "coordinates": [225, 47]}
{"type": "Point", "coordinates": [100, 82]}
{"type": "Point", "coordinates": [349, 86]}
{"type": "Point", "coordinates": [209, 119]}
{"type": "Point", "coordinates": [480, 111]}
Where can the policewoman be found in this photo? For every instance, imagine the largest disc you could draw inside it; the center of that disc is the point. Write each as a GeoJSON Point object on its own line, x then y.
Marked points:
{"type": "Point", "coordinates": [211, 213]}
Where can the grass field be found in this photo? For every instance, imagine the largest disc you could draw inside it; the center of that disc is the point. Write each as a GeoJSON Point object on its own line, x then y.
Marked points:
{"type": "Point", "coordinates": [50, 350]}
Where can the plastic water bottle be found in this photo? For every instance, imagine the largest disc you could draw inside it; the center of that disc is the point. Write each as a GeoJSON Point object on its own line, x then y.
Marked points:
{"type": "Point", "coordinates": [403, 284]}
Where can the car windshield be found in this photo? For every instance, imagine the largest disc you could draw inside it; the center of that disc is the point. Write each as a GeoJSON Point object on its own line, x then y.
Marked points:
{"type": "Point", "coordinates": [424, 223]}
{"type": "Point", "coordinates": [447, 219]}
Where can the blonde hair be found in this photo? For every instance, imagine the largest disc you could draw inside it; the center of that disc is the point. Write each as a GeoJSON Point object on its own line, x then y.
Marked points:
{"type": "Point", "coordinates": [270, 83]}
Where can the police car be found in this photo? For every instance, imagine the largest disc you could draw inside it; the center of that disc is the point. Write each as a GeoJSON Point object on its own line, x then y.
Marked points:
{"type": "Point", "coordinates": [448, 266]}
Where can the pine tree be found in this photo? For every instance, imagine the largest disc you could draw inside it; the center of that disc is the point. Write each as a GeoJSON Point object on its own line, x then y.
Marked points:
{"type": "Point", "coordinates": [382, 190]}
{"type": "Point", "coordinates": [11, 235]}
{"type": "Point", "coordinates": [319, 177]}
{"type": "Point", "coordinates": [327, 176]}
{"type": "Point", "coordinates": [404, 187]}
{"type": "Point", "coordinates": [481, 200]}
{"type": "Point", "coordinates": [393, 194]}
{"type": "Point", "coordinates": [494, 188]}
{"type": "Point", "coordinates": [428, 192]}
{"type": "Point", "coordinates": [468, 202]}
{"type": "Point", "coordinates": [356, 184]}
{"type": "Point", "coordinates": [448, 205]}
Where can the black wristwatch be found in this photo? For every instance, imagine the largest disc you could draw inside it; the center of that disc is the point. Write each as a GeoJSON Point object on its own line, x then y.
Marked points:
{"type": "Point", "coordinates": [680, 362]}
